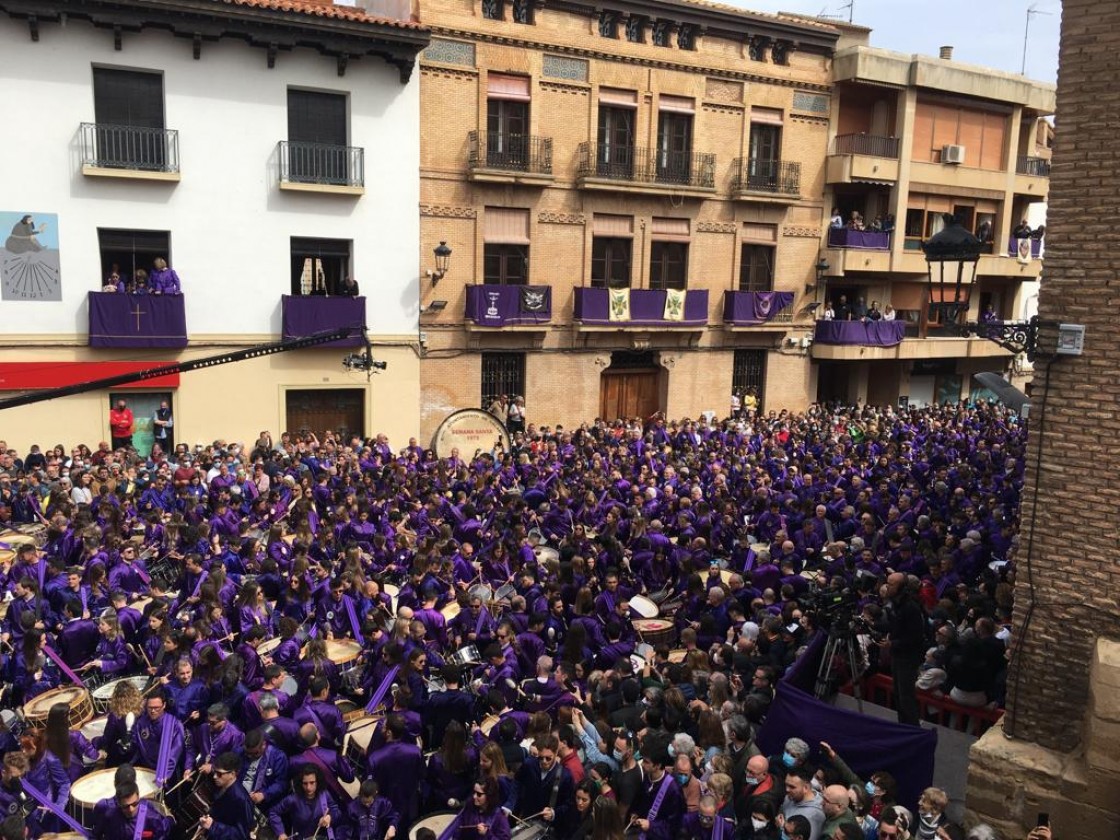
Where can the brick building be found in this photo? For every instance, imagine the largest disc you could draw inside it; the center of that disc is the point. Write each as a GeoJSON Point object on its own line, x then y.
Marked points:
{"type": "Point", "coordinates": [1063, 715]}
{"type": "Point", "coordinates": [571, 149]}
{"type": "Point", "coordinates": [912, 138]}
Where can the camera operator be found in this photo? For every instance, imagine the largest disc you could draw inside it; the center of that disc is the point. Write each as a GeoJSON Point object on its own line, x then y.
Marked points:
{"type": "Point", "coordinates": [906, 641]}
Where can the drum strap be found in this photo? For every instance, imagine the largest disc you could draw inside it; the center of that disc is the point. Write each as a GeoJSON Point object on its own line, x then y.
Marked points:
{"type": "Point", "coordinates": [141, 818]}
{"type": "Point", "coordinates": [45, 801]}
{"type": "Point", "coordinates": [62, 666]}
{"type": "Point", "coordinates": [329, 776]}
{"type": "Point", "coordinates": [382, 690]}
{"type": "Point", "coordinates": [355, 625]}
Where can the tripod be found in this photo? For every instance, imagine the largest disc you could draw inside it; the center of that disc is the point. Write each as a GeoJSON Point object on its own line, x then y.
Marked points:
{"type": "Point", "coordinates": [844, 647]}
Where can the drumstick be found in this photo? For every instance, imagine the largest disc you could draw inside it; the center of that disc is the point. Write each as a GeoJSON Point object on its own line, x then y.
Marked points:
{"type": "Point", "coordinates": [140, 650]}
{"type": "Point", "coordinates": [177, 785]}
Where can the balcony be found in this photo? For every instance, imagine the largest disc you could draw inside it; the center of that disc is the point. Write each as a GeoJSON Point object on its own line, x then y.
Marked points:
{"type": "Point", "coordinates": [760, 179]}
{"type": "Point", "coordinates": [756, 309]}
{"type": "Point", "coordinates": [863, 159]}
{"type": "Point", "coordinates": [126, 151]}
{"type": "Point", "coordinates": [118, 320]}
{"type": "Point", "coordinates": [306, 315]}
{"type": "Point", "coordinates": [866, 240]}
{"type": "Point", "coordinates": [600, 309]}
{"type": "Point", "coordinates": [1032, 176]}
{"type": "Point", "coordinates": [496, 307]}
{"type": "Point", "coordinates": [509, 158]}
{"type": "Point", "coordinates": [321, 168]}
{"type": "Point", "coordinates": [910, 348]}
{"type": "Point", "coordinates": [633, 169]}
{"type": "Point", "coordinates": [860, 333]}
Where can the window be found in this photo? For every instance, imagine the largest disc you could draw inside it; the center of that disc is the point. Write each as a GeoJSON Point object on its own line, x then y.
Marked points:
{"type": "Point", "coordinates": [635, 29]}
{"type": "Point", "coordinates": [502, 373]}
{"type": "Point", "coordinates": [765, 149]}
{"type": "Point", "coordinates": [493, 9]}
{"type": "Point", "coordinates": [126, 252]}
{"type": "Point", "coordinates": [128, 110]}
{"type": "Point", "coordinates": [317, 137]}
{"type": "Point", "coordinates": [674, 140]}
{"type": "Point", "coordinates": [668, 265]}
{"type": "Point", "coordinates": [507, 121]}
{"type": "Point", "coordinates": [610, 262]}
{"type": "Point", "coordinates": [505, 257]}
{"type": "Point", "coordinates": [523, 11]}
{"type": "Point", "coordinates": [616, 139]}
{"type": "Point", "coordinates": [748, 373]}
{"type": "Point", "coordinates": [608, 24]}
{"type": "Point", "coordinates": [319, 265]}
{"type": "Point", "coordinates": [756, 270]}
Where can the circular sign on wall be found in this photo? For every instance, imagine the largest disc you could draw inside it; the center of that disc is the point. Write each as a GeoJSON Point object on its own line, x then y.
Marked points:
{"type": "Point", "coordinates": [469, 430]}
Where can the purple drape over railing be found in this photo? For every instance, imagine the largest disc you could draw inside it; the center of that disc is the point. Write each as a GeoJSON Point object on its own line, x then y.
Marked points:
{"type": "Point", "coordinates": [873, 240]}
{"type": "Point", "coordinates": [121, 320]}
{"type": "Point", "coordinates": [867, 744]}
{"type": "Point", "coordinates": [505, 306]}
{"type": "Point", "coordinates": [748, 309]}
{"type": "Point", "coordinates": [647, 308]}
{"type": "Point", "coordinates": [1013, 248]}
{"type": "Point", "coordinates": [866, 333]}
{"type": "Point", "coordinates": [306, 315]}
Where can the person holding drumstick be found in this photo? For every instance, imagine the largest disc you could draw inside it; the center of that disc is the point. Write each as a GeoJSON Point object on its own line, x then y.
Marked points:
{"type": "Point", "coordinates": [231, 814]}
{"type": "Point", "coordinates": [305, 811]}
{"type": "Point", "coordinates": [483, 816]}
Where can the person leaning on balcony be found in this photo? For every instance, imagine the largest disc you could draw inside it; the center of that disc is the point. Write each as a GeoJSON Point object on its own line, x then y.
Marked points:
{"type": "Point", "coordinates": [829, 313]}
{"type": "Point", "coordinates": [139, 284]}
{"type": "Point", "coordinates": [164, 280]}
{"type": "Point", "coordinates": [888, 313]}
{"type": "Point", "coordinates": [856, 221]}
{"type": "Point", "coordinates": [1022, 230]}
{"type": "Point", "coordinates": [114, 282]}
{"type": "Point", "coordinates": [349, 287]}
{"type": "Point", "coordinates": [837, 221]}
{"type": "Point", "coordinates": [874, 314]}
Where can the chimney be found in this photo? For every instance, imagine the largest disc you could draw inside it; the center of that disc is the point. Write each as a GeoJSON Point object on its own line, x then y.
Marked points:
{"type": "Point", "coordinates": [946, 53]}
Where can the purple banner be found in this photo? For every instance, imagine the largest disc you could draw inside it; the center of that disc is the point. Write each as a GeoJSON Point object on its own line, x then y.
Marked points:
{"type": "Point", "coordinates": [1013, 247]}
{"type": "Point", "coordinates": [504, 306]}
{"type": "Point", "coordinates": [647, 308]}
{"type": "Point", "coordinates": [307, 315]}
{"type": "Point", "coordinates": [872, 240]}
{"type": "Point", "coordinates": [867, 744]}
{"type": "Point", "coordinates": [865, 333]}
{"type": "Point", "coordinates": [746, 309]}
{"type": "Point", "coordinates": [120, 320]}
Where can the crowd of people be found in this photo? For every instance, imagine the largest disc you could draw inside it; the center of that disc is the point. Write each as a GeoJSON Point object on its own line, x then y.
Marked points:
{"type": "Point", "coordinates": [576, 638]}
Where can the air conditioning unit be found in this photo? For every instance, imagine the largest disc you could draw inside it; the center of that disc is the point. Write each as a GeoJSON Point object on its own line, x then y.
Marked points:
{"type": "Point", "coordinates": [952, 154]}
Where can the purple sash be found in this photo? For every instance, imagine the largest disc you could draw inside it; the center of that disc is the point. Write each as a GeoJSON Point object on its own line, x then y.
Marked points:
{"type": "Point", "coordinates": [57, 660]}
{"type": "Point", "coordinates": [717, 828]}
{"type": "Point", "coordinates": [144, 576]}
{"type": "Point", "coordinates": [163, 772]}
{"type": "Point", "coordinates": [382, 690]}
{"type": "Point", "coordinates": [84, 592]}
{"type": "Point", "coordinates": [43, 800]}
{"type": "Point", "coordinates": [326, 811]}
{"type": "Point", "coordinates": [666, 780]}
{"type": "Point", "coordinates": [354, 624]}
{"type": "Point", "coordinates": [329, 778]}
{"type": "Point", "coordinates": [141, 818]}
{"type": "Point", "coordinates": [481, 619]}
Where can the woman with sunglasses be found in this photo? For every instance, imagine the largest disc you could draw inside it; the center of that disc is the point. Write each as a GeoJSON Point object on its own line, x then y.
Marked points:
{"type": "Point", "coordinates": [483, 816]}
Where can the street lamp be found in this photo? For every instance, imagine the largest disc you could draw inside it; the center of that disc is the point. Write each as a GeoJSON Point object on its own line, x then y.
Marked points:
{"type": "Point", "coordinates": [951, 260]}
{"type": "Point", "coordinates": [443, 262]}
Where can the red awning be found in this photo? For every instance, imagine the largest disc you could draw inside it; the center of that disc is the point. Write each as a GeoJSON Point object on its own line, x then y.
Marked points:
{"type": "Point", "coordinates": [31, 376]}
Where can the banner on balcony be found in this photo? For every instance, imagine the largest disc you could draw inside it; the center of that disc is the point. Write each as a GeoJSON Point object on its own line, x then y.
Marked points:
{"type": "Point", "coordinates": [619, 305]}
{"type": "Point", "coordinates": [1023, 251]}
{"type": "Point", "coordinates": [535, 299]}
{"type": "Point", "coordinates": [674, 304]}
{"type": "Point", "coordinates": [29, 259]}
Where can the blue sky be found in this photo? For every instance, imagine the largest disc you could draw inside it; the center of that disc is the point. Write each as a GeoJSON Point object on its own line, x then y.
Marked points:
{"type": "Point", "coordinates": [986, 33]}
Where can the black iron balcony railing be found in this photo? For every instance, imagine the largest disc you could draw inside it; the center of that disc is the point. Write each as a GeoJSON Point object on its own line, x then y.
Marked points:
{"type": "Point", "coordinates": [647, 166]}
{"type": "Point", "coordinates": [767, 176]}
{"type": "Point", "coordinates": [322, 163]}
{"type": "Point", "coordinates": [512, 152]}
{"type": "Point", "coordinates": [130, 147]}
{"type": "Point", "coordinates": [866, 144]}
{"type": "Point", "coordinates": [1033, 166]}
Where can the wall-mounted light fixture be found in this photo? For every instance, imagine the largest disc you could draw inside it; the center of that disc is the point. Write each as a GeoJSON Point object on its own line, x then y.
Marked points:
{"type": "Point", "coordinates": [443, 262]}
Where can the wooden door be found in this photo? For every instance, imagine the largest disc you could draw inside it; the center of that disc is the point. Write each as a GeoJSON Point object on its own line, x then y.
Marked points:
{"type": "Point", "coordinates": [341, 410]}
{"type": "Point", "coordinates": [631, 393]}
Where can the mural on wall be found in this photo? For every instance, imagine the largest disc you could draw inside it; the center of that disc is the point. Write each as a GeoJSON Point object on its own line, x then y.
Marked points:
{"type": "Point", "coordinates": [29, 256]}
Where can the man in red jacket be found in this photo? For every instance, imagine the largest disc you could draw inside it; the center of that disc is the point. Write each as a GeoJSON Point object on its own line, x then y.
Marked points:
{"type": "Point", "coordinates": [121, 425]}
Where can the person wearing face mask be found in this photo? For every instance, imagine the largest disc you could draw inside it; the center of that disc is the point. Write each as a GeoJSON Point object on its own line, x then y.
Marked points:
{"type": "Point", "coordinates": [758, 787]}
{"type": "Point", "coordinates": [628, 781]}
{"type": "Point", "coordinates": [759, 825]}
{"type": "Point", "coordinates": [686, 778]}
{"type": "Point", "coordinates": [705, 823]}
{"type": "Point", "coordinates": [794, 756]}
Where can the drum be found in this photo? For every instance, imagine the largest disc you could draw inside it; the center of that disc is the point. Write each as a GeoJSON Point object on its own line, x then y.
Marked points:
{"type": "Point", "coordinates": [341, 651]}
{"type": "Point", "coordinates": [35, 711]}
{"type": "Point", "coordinates": [104, 693]}
{"type": "Point", "coordinates": [4, 609]}
{"type": "Point", "coordinates": [7, 555]}
{"type": "Point", "coordinates": [349, 709]}
{"type": "Point", "coordinates": [451, 610]}
{"type": "Point", "coordinates": [437, 685]}
{"type": "Point", "coordinates": [66, 835]}
{"type": "Point", "coordinates": [437, 822]}
{"type": "Point", "coordinates": [394, 593]}
{"type": "Point", "coordinates": [16, 538]}
{"type": "Point", "coordinates": [546, 554]}
{"type": "Point", "coordinates": [656, 631]}
{"type": "Point", "coordinates": [505, 592]}
{"type": "Point", "coordinates": [359, 732]}
{"type": "Point", "coordinates": [95, 728]}
{"type": "Point", "coordinates": [678, 655]}
{"type": "Point", "coordinates": [196, 803]}
{"type": "Point", "coordinates": [532, 830]}
{"type": "Point", "coordinates": [643, 606]}
{"type": "Point", "coordinates": [93, 787]}
{"type": "Point", "coordinates": [268, 646]}
{"type": "Point", "coordinates": [468, 655]}
{"type": "Point", "coordinates": [488, 724]}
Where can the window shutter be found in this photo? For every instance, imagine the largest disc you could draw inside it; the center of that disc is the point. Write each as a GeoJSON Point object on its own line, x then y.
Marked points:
{"type": "Point", "coordinates": [315, 117]}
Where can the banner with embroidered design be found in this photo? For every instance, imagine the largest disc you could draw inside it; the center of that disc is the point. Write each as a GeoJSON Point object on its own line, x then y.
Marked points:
{"type": "Point", "coordinates": [674, 304]}
{"type": "Point", "coordinates": [619, 309]}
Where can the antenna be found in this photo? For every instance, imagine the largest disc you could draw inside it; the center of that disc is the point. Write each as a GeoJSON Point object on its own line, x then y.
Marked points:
{"type": "Point", "coordinates": [1031, 10]}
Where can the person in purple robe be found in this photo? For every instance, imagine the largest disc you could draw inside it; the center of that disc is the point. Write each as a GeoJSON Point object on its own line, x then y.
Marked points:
{"type": "Point", "coordinates": [79, 637]}
{"type": "Point", "coordinates": [398, 768]}
{"type": "Point", "coordinates": [264, 773]}
{"type": "Point", "coordinates": [119, 820]}
{"type": "Point", "coordinates": [219, 735]}
{"type": "Point", "coordinates": [451, 769]}
{"type": "Point", "coordinates": [306, 811]}
{"type": "Point", "coordinates": [318, 710]}
{"type": "Point", "coordinates": [148, 735]}
{"type": "Point", "coordinates": [483, 815]}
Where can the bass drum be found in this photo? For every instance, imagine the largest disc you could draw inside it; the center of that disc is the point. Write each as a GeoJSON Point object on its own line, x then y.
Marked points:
{"type": "Point", "coordinates": [437, 822]}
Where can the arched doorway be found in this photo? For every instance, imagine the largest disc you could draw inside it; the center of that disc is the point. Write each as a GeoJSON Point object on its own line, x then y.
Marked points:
{"type": "Point", "coordinates": [631, 386]}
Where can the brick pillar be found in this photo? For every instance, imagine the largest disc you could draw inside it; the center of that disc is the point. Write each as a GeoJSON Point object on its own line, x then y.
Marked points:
{"type": "Point", "coordinates": [1061, 754]}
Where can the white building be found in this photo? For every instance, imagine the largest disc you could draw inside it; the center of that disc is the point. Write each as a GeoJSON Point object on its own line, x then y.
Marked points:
{"type": "Point", "coordinates": [266, 148]}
